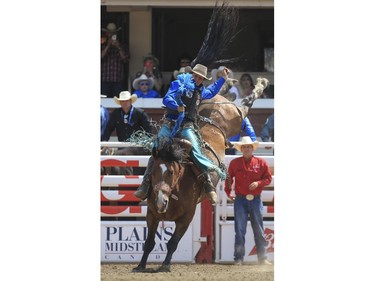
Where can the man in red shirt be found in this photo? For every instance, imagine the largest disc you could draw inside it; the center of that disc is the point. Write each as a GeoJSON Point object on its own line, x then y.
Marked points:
{"type": "Point", "coordinates": [250, 175]}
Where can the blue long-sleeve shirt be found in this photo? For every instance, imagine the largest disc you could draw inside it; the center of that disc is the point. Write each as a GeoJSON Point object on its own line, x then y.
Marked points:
{"type": "Point", "coordinates": [170, 101]}
{"type": "Point", "coordinates": [104, 119]}
{"type": "Point", "coordinates": [247, 128]}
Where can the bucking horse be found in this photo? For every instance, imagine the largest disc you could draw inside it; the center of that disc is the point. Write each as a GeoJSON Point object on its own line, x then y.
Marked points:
{"type": "Point", "coordinates": [176, 191]}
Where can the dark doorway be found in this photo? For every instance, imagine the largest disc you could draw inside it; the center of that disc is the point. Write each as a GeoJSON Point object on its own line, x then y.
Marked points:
{"type": "Point", "coordinates": [176, 31]}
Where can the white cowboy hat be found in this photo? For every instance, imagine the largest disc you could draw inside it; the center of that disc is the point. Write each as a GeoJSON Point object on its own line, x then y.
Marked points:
{"type": "Point", "coordinates": [221, 68]}
{"type": "Point", "coordinates": [143, 77]}
{"type": "Point", "coordinates": [244, 141]}
{"type": "Point", "coordinates": [177, 72]}
{"type": "Point", "coordinates": [125, 95]}
{"type": "Point", "coordinates": [201, 70]}
{"type": "Point", "coordinates": [111, 27]}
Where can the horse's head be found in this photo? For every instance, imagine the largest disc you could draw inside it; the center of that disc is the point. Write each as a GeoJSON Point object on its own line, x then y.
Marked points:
{"type": "Point", "coordinates": [165, 176]}
{"type": "Point", "coordinates": [166, 172]}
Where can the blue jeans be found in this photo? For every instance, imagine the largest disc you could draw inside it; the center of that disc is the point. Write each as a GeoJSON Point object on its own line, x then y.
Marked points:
{"type": "Point", "coordinates": [202, 162]}
{"type": "Point", "coordinates": [242, 209]}
{"type": "Point", "coordinates": [267, 128]}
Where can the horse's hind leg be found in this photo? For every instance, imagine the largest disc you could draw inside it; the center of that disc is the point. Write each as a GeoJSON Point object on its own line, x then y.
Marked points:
{"type": "Point", "coordinates": [180, 230]}
{"type": "Point", "coordinates": [152, 225]}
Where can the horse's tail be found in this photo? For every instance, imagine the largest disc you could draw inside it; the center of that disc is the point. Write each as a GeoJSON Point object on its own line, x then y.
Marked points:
{"type": "Point", "coordinates": [221, 31]}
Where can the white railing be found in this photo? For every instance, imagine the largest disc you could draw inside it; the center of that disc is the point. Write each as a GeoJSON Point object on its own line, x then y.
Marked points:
{"type": "Point", "coordinates": [223, 210]}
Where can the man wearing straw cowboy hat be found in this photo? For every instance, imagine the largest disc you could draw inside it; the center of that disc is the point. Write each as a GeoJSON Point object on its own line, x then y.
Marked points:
{"type": "Point", "coordinates": [251, 174]}
{"type": "Point", "coordinates": [143, 87]}
{"type": "Point", "coordinates": [126, 119]}
{"type": "Point", "coordinates": [182, 101]}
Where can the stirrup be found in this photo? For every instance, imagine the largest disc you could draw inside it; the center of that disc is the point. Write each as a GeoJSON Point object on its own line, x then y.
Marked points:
{"type": "Point", "coordinates": [139, 193]}
{"type": "Point", "coordinates": [212, 197]}
{"type": "Point", "coordinates": [142, 190]}
{"type": "Point", "coordinates": [208, 187]}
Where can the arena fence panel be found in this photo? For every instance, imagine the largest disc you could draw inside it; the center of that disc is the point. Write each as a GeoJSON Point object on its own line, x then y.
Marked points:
{"type": "Point", "coordinates": [123, 225]}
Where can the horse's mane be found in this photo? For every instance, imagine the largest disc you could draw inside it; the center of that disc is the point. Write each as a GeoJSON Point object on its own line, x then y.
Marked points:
{"type": "Point", "coordinates": [168, 151]}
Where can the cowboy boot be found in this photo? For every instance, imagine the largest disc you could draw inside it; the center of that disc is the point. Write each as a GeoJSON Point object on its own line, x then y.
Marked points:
{"type": "Point", "coordinates": [208, 187]}
{"type": "Point", "coordinates": [142, 190]}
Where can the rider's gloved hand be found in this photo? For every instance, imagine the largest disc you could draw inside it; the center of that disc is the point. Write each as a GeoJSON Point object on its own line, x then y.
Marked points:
{"type": "Point", "coordinates": [181, 108]}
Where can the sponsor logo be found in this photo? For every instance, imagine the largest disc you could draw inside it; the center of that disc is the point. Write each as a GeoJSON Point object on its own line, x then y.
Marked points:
{"type": "Point", "coordinates": [269, 234]}
{"type": "Point", "coordinates": [130, 240]}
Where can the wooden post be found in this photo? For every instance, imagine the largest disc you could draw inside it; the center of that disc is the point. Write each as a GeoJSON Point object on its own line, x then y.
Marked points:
{"type": "Point", "coordinates": [205, 254]}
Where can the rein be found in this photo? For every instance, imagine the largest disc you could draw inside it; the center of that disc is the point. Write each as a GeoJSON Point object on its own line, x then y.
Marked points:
{"type": "Point", "coordinates": [208, 146]}
{"type": "Point", "coordinates": [213, 123]}
{"type": "Point", "coordinates": [221, 164]}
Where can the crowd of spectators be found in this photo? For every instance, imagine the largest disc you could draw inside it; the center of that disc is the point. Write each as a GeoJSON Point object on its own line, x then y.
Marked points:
{"type": "Point", "coordinates": [149, 82]}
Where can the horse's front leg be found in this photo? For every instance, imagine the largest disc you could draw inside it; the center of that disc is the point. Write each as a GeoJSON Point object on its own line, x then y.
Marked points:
{"type": "Point", "coordinates": [152, 225]}
{"type": "Point", "coordinates": [181, 227]}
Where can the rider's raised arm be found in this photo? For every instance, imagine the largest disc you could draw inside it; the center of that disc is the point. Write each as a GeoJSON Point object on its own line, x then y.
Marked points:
{"type": "Point", "coordinates": [213, 89]}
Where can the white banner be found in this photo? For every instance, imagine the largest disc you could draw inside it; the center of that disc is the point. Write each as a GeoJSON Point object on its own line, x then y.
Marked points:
{"type": "Point", "coordinates": [226, 242]}
{"type": "Point", "coordinates": [123, 241]}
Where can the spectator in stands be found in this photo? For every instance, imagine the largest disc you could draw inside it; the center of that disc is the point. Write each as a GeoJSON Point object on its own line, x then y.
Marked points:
{"type": "Point", "coordinates": [267, 133]}
{"type": "Point", "coordinates": [228, 90]}
{"type": "Point", "coordinates": [247, 129]}
{"type": "Point", "coordinates": [113, 57]}
{"type": "Point", "coordinates": [182, 101]}
{"type": "Point", "coordinates": [151, 70]}
{"type": "Point", "coordinates": [183, 61]}
{"type": "Point", "coordinates": [268, 92]}
{"type": "Point", "coordinates": [143, 86]}
{"type": "Point", "coordinates": [251, 174]}
{"type": "Point", "coordinates": [104, 118]}
{"type": "Point", "coordinates": [126, 119]}
{"type": "Point", "coordinates": [246, 85]}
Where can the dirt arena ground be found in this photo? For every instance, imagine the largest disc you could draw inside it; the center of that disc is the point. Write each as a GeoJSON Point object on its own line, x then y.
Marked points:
{"type": "Point", "coordinates": [189, 272]}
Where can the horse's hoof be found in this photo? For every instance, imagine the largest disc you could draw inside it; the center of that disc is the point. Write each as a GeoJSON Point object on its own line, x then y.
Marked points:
{"type": "Point", "coordinates": [164, 268]}
{"type": "Point", "coordinates": [139, 269]}
{"type": "Point", "coordinates": [143, 270]}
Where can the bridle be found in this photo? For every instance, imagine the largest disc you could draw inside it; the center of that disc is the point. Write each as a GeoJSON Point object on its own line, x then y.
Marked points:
{"type": "Point", "coordinates": [174, 182]}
